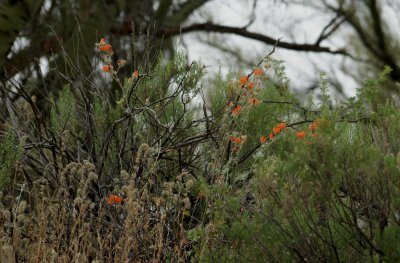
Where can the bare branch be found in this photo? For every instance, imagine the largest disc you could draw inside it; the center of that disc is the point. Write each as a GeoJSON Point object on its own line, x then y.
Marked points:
{"type": "Point", "coordinates": [330, 28]}
{"type": "Point", "coordinates": [290, 103]}
{"type": "Point", "coordinates": [379, 50]}
{"type": "Point", "coordinates": [210, 27]}
{"type": "Point", "coordinates": [184, 11]}
{"type": "Point", "coordinates": [252, 15]}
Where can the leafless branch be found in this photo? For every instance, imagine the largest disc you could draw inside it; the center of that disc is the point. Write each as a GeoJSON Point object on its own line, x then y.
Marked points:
{"type": "Point", "coordinates": [210, 27]}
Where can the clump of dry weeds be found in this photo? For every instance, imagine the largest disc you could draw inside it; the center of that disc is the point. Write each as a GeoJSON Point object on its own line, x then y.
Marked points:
{"type": "Point", "coordinates": [70, 224]}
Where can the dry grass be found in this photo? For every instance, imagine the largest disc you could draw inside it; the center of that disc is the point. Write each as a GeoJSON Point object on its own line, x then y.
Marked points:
{"type": "Point", "coordinates": [71, 225]}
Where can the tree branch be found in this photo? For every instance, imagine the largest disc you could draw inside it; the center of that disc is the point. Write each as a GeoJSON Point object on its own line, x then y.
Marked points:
{"type": "Point", "coordinates": [330, 28]}
{"type": "Point", "coordinates": [184, 10]}
{"type": "Point", "coordinates": [385, 56]}
{"type": "Point", "coordinates": [210, 27]}
{"type": "Point", "coordinates": [378, 51]}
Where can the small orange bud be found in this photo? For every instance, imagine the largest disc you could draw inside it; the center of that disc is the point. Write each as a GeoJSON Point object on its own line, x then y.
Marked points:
{"type": "Point", "coordinates": [135, 74]}
{"type": "Point", "coordinates": [253, 101]}
{"type": "Point", "coordinates": [235, 140]}
{"type": "Point", "coordinates": [105, 48]}
{"type": "Point", "coordinates": [276, 130]}
{"type": "Point", "coordinates": [313, 126]}
{"type": "Point", "coordinates": [263, 139]}
{"type": "Point", "coordinates": [300, 134]}
{"type": "Point", "coordinates": [106, 68]}
{"type": "Point", "coordinates": [113, 199]}
{"type": "Point", "coordinates": [236, 111]}
{"type": "Point", "coordinates": [250, 85]}
{"type": "Point", "coordinates": [281, 126]}
{"type": "Point", "coordinates": [258, 72]}
{"type": "Point", "coordinates": [243, 80]}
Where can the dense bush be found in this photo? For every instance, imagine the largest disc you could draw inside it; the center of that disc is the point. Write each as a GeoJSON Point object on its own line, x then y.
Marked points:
{"type": "Point", "coordinates": [165, 166]}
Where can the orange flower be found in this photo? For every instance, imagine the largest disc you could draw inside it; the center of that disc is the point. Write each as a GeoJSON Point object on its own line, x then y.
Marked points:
{"type": "Point", "coordinates": [113, 199]}
{"type": "Point", "coordinates": [313, 126]}
{"type": "Point", "coordinates": [235, 140]}
{"type": "Point", "coordinates": [105, 48]}
{"type": "Point", "coordinates": [253, 101]}
{"type": "Point", "coordinates": [250, 85]}
{"type": "Point", "coordinates": [271, 136]}
{"type": "Point", "coordinates": [106, 68]}
{"type": "Point", "coordinates": [300, 134]}
{"type": "Point", "coordinates": [258, 72]}
{"type": "Point", "coordinates": [276, 130]}
{"type": "Point", "coordinates": [135, 74]}
{"type": "Point", "coordinates": [236, 111]}
{"type": "Point", "coordinates": [263, 139]}
{"type": "Point", "coordinates": [243, 80]}
{"type": "Point", "coordinates": [281, 126]}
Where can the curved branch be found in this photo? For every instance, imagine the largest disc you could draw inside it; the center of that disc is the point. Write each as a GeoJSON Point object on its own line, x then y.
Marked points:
{"type": "Point", "coordinates": [210, 27]}
{"type": "Point", "coordinates": [375, 44]}
{"type": "Point", "coordinates": [184, 10]}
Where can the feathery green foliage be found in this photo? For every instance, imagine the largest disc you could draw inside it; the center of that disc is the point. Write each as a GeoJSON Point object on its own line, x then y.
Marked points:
{"type": "Point", "coordinates": [10, 154]}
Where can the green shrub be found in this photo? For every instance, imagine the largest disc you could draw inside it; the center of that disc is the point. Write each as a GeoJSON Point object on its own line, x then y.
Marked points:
{"type": "Point", "coordinates": [165, 166]}
{"type": "Point", "coordinates": [328, 197]}
{"type": "Point", "coordinates": [10, 154]}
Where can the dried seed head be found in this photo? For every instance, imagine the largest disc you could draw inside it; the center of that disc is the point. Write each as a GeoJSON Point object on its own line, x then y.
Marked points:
{"type": "Point", "coordinates": [121, 62]}
{"type": "Point", "coordinates": [92, 176]}
{"type": "Point", "coordinates": [6, 214]}
{"type": "Point", "coordinates": [189, 184]}
{"type": "Point", "coordinates": [124, 175]}
{"type": "Point", "coordinates": [78, 201]}
{"type": "Point", "coordinates": [186, 203]}
{"type": "Point", "coordinates": [22, 206]}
